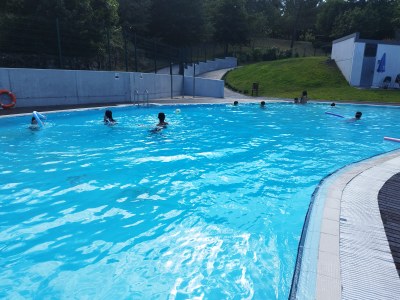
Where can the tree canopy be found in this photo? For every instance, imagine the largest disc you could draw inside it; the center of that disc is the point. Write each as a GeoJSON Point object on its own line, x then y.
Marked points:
{"type": "Point", "coordinates": [88, 27]}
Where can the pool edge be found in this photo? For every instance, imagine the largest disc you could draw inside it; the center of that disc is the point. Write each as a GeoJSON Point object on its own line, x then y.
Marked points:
{"type": "Point", "coordinates": [329, 285]}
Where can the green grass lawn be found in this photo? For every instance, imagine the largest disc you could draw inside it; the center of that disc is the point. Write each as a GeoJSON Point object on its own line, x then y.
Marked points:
{"type": "Point", "coordinates": [321, 78]}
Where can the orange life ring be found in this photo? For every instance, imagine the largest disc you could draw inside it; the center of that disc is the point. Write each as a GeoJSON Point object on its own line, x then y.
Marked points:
{"type": "Point", "coordinates": [12, 97]}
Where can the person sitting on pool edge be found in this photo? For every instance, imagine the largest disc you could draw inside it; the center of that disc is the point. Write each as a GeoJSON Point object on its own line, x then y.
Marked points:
{"type": "Point", "coordinates": [108, 118]}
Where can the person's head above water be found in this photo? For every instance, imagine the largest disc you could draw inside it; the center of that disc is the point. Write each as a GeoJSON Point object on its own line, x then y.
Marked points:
{"type": "Point", "coordinates": [108, 115]}
{"type": "Point", "coordinates": [33, 120]}
{"type": "Point", "coordinates": [262, 103]}
{"type": "Point", "coordinates": [161, 117]}
{"type": "Point", "coordinates": [235, 103]}
{"type": "Point", "coordinates": [333, 104]}
{"type": "Point", "coordinates": [358, 115]}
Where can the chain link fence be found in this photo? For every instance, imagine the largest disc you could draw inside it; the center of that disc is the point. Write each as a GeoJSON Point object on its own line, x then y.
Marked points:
{"type": "Point", "coordinates": [52, 44]}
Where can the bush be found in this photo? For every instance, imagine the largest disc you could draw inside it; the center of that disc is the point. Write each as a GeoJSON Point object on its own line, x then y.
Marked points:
{"type": "Point", "coordinates": [285, 54]}
{"type": "Point", "coordinates": [257, 54]}
{"type": "Point", "coordinates": [270, 54]}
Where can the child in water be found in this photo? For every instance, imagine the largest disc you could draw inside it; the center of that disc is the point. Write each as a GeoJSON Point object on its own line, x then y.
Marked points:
{"type": "Point", "coordinates": [34, 124]}
{"type": "Point", "coordinates": [108, 118]}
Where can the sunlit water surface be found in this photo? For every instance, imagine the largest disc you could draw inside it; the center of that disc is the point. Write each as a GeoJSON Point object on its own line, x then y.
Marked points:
{"type": "Point", "coordinates": [210, 208]}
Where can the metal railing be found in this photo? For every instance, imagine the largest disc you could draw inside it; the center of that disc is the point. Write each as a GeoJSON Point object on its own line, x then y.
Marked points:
{"type": "Point", "coordinates": [145, 97]}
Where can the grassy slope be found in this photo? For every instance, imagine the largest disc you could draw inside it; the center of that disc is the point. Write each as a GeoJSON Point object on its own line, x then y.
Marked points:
{"type": "Point", "coordinates": [289, 77]}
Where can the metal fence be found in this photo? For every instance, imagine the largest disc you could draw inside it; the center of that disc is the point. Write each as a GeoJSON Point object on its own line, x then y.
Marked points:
{"type": "Point", "coordinates": [48, 44]}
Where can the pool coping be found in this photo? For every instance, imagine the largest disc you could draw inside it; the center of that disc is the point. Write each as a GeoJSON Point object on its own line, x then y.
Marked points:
{"type": "Point", "coordinates": [350, 223]}
{"type": "Point", "coordinates": [187, 100]}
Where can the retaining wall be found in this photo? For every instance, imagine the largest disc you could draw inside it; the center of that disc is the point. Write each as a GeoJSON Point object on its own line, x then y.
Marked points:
{"type": "Point", "coordinates": [211, 65]}
{"type": "Point", "coordinates": [36, 87]}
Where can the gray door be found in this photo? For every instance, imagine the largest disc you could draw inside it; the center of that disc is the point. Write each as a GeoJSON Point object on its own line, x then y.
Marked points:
{"type": "Point", "coordinates": [367, 73]}
{"type": "Point", "coordinates": [368, 67]}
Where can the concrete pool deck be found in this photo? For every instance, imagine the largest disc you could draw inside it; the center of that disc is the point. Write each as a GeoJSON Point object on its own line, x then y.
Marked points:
{"type": "Point", "coordinates": [354, 260]}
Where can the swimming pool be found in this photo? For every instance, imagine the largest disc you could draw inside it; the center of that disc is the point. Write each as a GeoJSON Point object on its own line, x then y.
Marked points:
{"type": "Point", "coordinates": [211, 207]}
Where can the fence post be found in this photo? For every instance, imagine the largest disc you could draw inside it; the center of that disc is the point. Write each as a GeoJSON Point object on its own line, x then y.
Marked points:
{"type": "Point", "coordinates": [155, 57]}
{"type": "Point", "coordinates": [136, 64]}
{"type": "Point", "coordinates": [194, 80]}
{"type": "Point", "coordinates": [59, 44]}
{"type": "Point", "coordinates": [183, 81]}
{"type": "Point", "coordinates": [126, 51]}
{"type": "Point", "coordinates": [109, 48]}
{"type": "Point", "coordinates": [172, 86]}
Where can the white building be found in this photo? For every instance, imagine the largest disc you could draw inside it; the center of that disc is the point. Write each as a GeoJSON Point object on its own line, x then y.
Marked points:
{"type": "Point", "coordinates": [359, 59]}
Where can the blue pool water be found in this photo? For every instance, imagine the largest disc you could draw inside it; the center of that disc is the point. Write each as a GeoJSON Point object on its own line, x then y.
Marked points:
{"type": "Point", "coordinates": [210, 208]}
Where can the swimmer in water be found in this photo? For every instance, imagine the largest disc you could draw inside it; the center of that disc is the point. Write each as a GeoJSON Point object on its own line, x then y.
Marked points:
{"type": "Point", "coordinates": [356, 117]}
{"type": "Point", "coordinates": [161, 122]}
{"type": "Point", "coordinates": [108, 118]}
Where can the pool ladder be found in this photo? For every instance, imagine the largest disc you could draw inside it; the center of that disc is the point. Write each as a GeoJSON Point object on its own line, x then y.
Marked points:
{"type": "Point", "coordinates": [145, 98]}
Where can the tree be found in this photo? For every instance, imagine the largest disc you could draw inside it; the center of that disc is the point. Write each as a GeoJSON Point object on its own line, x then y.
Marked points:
{"type": "Point", "coordinates": [231, 23]}
{"type": "Point", "coordinates": [299, 16]}
{"type": "Point", "coordinates": [264, 17]}
{"type": "Point", "coordinates": [80, 27]}
{"type": "Point", "coordinates": [371, 19]}
{"type": "Point", "coordinates": [178, 22]}
{"type": "Point", "coordinates": [134, 15]}
{"type": "Point", "coordinates": [327, 15]}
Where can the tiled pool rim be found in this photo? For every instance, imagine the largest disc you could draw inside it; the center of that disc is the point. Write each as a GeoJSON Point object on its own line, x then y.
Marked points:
{"type": "Point", "coordinates": [324, 269]}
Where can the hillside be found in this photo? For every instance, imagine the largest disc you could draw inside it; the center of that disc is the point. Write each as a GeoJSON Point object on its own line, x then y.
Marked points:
{"type": "Point", "coordinates": [287, 78]}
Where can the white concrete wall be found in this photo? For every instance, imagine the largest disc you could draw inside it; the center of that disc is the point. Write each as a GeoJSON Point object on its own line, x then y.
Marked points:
{"type": "Point", "coordinates": [348, 53]}
{"type": "Point", "coordinates": [35, 87]}
{"type": "Point", "coordinates": [211, 65]}
{"type": "Point", "coordinates": [204, 87]}
{"type": "Point", "coordinates": [358, 58]}
{"type": "Point", "coordinates": [343, 53]}
{"type": "Point", "coordinates": [392, 66]}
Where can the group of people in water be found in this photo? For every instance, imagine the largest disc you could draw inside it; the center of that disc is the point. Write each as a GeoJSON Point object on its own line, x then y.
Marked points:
{"type": "Point", "coordinates": [109, 120]}
{"type": "Point", "coordinates": [304, 100]}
